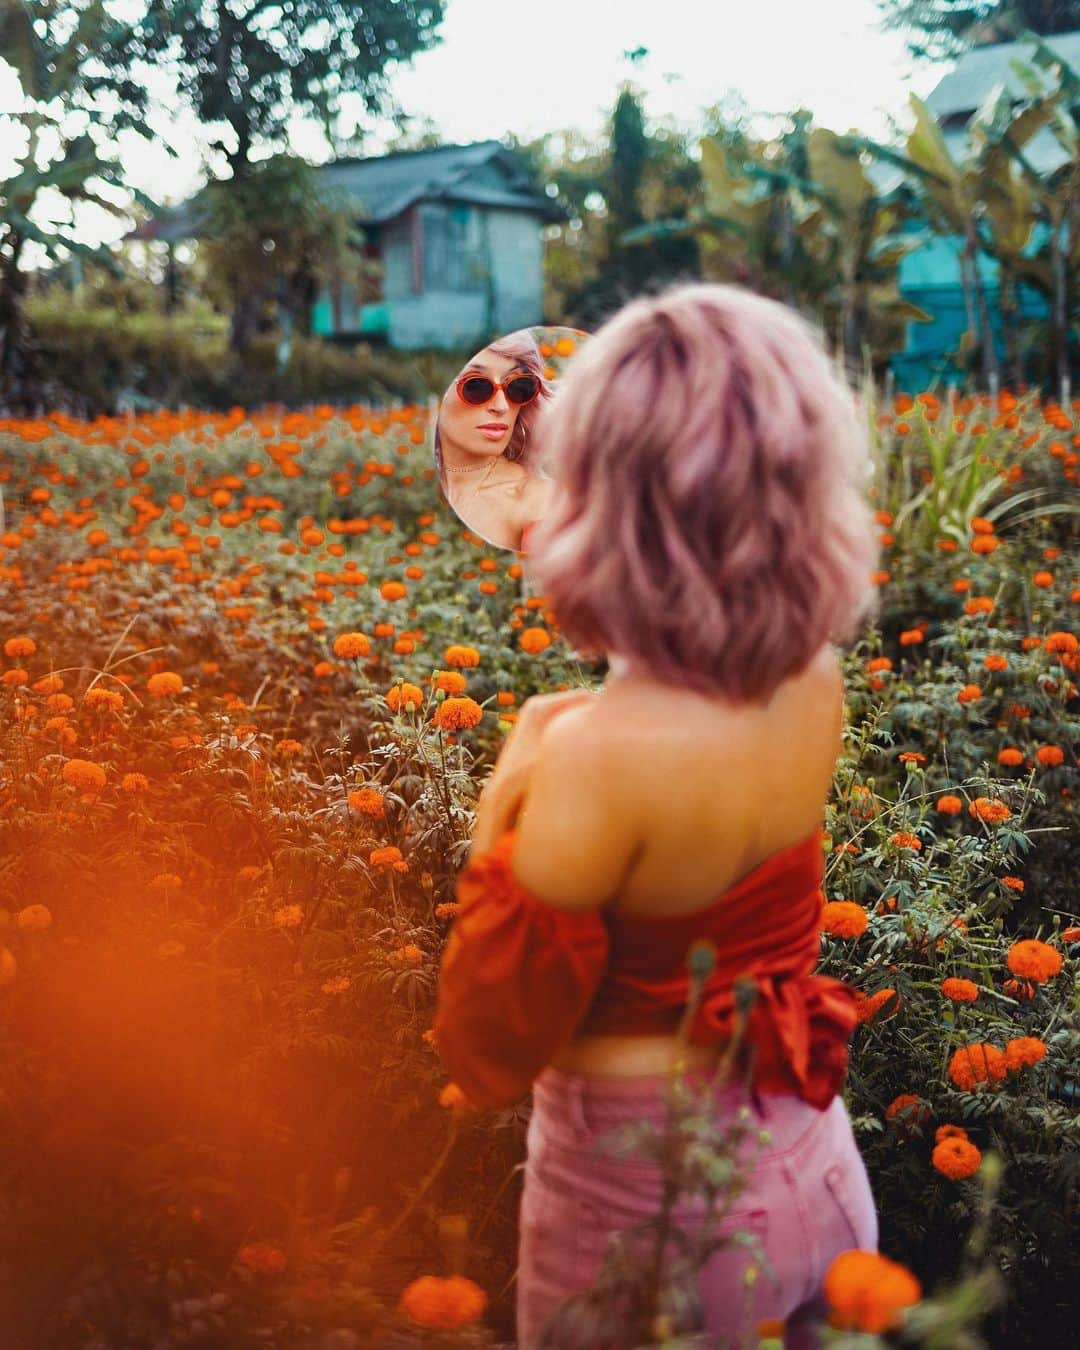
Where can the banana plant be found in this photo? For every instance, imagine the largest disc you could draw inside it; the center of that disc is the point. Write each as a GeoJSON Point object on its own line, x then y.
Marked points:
{"type": "Point", "coordinates": [54, 64]}
{"type": "Point", "coordinates": [1056, 194]}
{"type": "Point", "coordinates": [809, 224]}
{"type": "Point", "coordinates": [953, 194]}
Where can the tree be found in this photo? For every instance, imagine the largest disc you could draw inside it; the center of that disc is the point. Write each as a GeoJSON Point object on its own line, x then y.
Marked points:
{"type": "Point", "coordinates": [54, 48]}
{"type": "Point", "coordinates": [253, 63]}
{"type": "Point", "coordinates": [270, 240]}
{"type": "Point", "coordinates": [944, 29]}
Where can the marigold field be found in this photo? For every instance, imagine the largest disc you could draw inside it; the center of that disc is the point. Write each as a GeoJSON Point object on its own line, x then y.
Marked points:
{"type": "Point", "coordinates": [252, 672]}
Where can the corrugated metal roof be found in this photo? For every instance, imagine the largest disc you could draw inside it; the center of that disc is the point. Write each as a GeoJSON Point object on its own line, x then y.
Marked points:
{"type": "Point", "coordinates": [384, 186]}
{"type": "Point", "coordinates": [977, 71]}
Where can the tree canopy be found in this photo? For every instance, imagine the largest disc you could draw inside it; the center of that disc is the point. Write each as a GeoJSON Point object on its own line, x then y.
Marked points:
{"type": "Point", "coordinates": [253, 63]}
{"type": "Point", "coordinates": [941, 29]}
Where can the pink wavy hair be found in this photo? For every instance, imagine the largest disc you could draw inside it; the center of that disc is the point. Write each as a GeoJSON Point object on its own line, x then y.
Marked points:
{"type": "Point", "coordinates": [523, 448]}
{"type": "Point", "coordinates": [711, 525]}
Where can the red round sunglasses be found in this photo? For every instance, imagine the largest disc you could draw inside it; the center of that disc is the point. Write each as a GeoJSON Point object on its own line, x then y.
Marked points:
{"type": "Point", "coordinates": [477, 389]}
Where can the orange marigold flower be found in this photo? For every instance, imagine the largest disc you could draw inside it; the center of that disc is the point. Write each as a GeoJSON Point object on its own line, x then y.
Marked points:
{"type": "Point", "coordinates": [84, 775]}
{"type": "Point", "coordinates": [452, 1095]}
{"type": "Point", "coordinates": [135, 782]}
{"type": "Point", "coordinates": [956, 1158]}
{"type": "Point", "coordinates": [949, 1132]}
{"type": "Point", "coordinates": [432, 1301]}
{"type": "Point", "coordinates": [1071, 935]}
{"type": "Point", "coordinates": [1022, 990]}
{"type": "Point", "coordinates": [451, 681]}
{"type": "Point", "coordinates": [877, 663]}
{"type": "Point", "coordinates": [995, 661]}
{"type": "Point", "coordinates": [457, 713]}
{"type": "Point", "coordinates": [447, 909]}
{"type": "Point", "coordinates": [950, 805]}
{"type": "Point", "coordinates": [33, 919]}
{"type": "Point", "coordinates": [867, 1006]}
{"type": "Point", "coordinates": [960, 991]}
{"type": "Point", "coordinates": [288, 916]}
{"type": "Point", "coordinates": [1043, 579]}
{"type": "Point", "coordinates": [408, 955]}
{"type": "Point", "coordinates": [1050, 755]}
{"type": "Point", "coordinates": [1010, 756]}
{"type": "Point", "coordinates": [1013, 883]}
{"type": "Point", "coordinates": [368, 801]}
{"type": "Point", "coordinates": [534, 640]}
{"type": "Point", "coordinates": [349, 646]}
{"type": "Point", "coordinates": [981, 525]}
{"type": "Point", "coordinates": [843, 918]}
{"type": "Point", "coordinates": [908, 1107]}
{"type": "Point", "coordinates": [337, 985]}
{"type": "Point", "coordinates": [19, 647]}
{"type": "Point", "coordinates": [976, 1063]}
{"type": "Point", "coordinates": [904, 840]}
{"type": "Point", "coordinates": [322, 670]}
{"type": "Point", "coordinates": [989, 809]}
{"type": "Point", "coordinates": [103, 698]}
{"type": "Point", "coordinates": [984, 543]}
{"type": "Point", "coordinates": [1061, 642]}
{"type": "Point", "coordinates": [969, 694]}
{"type": "Point", "coordinates": [1034, 960]}
{"type": "Point", "coordinates": [978, 604]}
{"type": "Point", "coordinates": [388, 854]}
{"type": "Point", "coordinates": [263, 1258]}
{"type": "Point", "coordinates": [404, 695]}
{"type": "Point", "coordinates": [459, 655]}
{"type": "Point", "coordinates": [911, 636]}
{"type": "Point", "coordinates": [868, 1292]}
{"type": "Point", "coordinates": [164, 684]}
{"type": "Point", "coordinates": [1024, 1051]}
{"type": "Point", "coordinates": [289, 746]}
{"type": "Point", "coordinates": [911, 757]}
{"type": "Point", "coordinates": [393, 590]}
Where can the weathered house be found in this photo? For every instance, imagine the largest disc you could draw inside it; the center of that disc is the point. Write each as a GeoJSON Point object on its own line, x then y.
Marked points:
{"type": "Point", "coordinates": [457, 232]}
{"type": "Point", "coordinates": [930, 276]}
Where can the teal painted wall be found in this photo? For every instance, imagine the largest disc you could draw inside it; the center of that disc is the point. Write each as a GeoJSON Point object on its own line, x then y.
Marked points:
{"type": "Point", "coordinates": [930, 278]}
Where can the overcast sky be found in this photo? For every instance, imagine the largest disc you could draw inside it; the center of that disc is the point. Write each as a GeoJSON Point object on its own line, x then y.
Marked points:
{"type": "Point", "coordinates": [532, 68]}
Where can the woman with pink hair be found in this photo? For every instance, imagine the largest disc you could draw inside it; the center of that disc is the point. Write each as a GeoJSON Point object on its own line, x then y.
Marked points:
{"type": "Point", "coordinates": [486, 452]}
{"type": "Point", "coordinates": [712, 541]}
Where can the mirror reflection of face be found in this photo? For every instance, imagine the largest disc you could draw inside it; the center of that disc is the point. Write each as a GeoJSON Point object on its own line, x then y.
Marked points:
{"type": "Point", "coordinates": [481, 429]}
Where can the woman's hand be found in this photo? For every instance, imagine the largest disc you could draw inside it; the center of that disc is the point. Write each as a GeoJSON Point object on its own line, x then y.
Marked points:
{"type": "Point", "coordinates": [503, 792]}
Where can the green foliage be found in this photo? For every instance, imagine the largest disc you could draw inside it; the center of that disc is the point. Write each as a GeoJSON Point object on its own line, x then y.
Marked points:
{"type": "Point", "coordinates": [944, 29]}
{"type": "Point", "coordinates": [253, 68]}
{"type": "Point", "coordinates": [53, 50]}
{"type": "Point", "coordinates": [96, 356]}
{"type": "Point", "coordinates": [221, 1038]}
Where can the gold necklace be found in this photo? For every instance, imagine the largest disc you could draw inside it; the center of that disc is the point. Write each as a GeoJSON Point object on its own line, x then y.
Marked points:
{"type": "Point", "coordinates": [471, 468]}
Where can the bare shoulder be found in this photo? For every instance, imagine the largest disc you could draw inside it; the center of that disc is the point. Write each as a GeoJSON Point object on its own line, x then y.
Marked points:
{"type": "Point", "coordinates": [537, 496]}
{"type": "Point", "coordinates": [576, 839]}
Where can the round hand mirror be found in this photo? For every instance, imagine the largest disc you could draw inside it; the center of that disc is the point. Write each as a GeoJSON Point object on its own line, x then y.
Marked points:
{"type": "Point", "coordinates": [488, 437]}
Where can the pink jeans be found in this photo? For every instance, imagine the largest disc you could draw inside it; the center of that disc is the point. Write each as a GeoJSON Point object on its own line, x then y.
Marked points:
{"type": "Point", "coordinates": [808, 1198]}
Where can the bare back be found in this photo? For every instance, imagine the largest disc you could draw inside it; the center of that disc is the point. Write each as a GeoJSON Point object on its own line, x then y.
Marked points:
{"type": "Point", "coordinates": [710, 791]}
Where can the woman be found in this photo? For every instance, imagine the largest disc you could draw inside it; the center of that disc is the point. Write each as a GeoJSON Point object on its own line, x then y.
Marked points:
{"type": "Point", "coordinates": [485, 452]}
{"type": "Point", "coordinates": [711, 540]}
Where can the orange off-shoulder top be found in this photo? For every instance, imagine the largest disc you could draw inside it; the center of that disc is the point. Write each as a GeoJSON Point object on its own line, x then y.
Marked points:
{"type": "Point", "coordinates": [520, 978]}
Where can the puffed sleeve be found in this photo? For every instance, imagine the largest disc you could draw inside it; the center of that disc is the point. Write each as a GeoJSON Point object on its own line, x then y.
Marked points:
{"type": "Point", "coordinates": [517, 978]}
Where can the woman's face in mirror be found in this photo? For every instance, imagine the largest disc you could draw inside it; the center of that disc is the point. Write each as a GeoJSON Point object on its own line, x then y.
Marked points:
{"type": "Point", "coordinates": [482, 429]}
